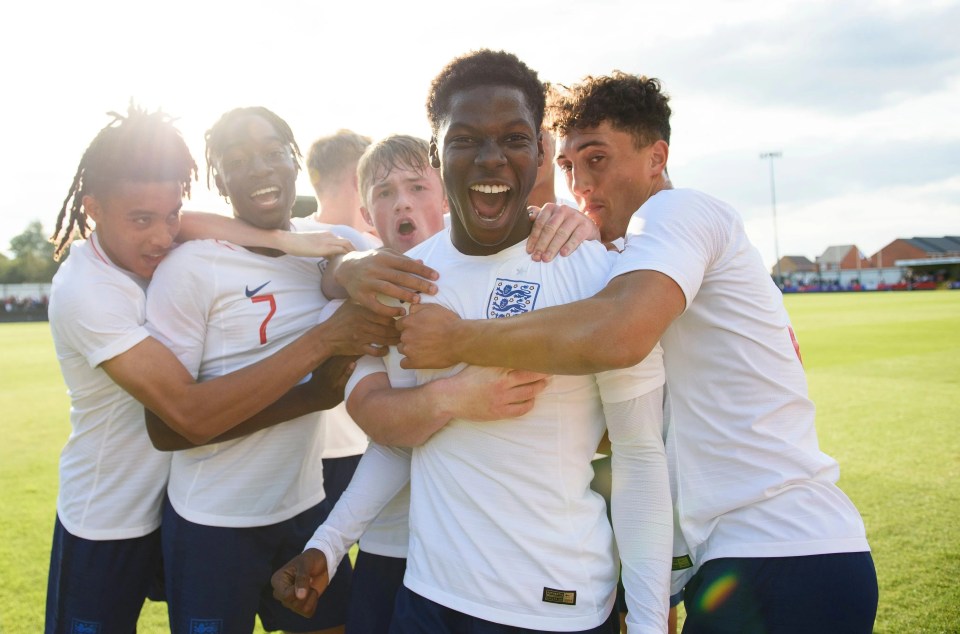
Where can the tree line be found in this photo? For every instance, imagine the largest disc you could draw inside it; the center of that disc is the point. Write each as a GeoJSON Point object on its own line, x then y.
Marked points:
{"type": "Point", "coordinates": [32, 260]}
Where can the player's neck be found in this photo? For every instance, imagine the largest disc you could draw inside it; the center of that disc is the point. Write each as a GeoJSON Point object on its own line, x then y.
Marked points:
{"type": "Point", "coordinates": [466, 245]}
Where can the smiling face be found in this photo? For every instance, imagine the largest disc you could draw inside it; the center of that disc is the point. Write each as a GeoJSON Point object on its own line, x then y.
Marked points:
{"type": "Point", "coordinates": [406, 206]}
{"type": "Point", "coordinates": [136, 223]}
{"type": "Point", "coordinates": [489, 151]}
{"type": "Point", "coordinates": [257, 171]}
{"type": "Point", "coordinates": [609, 176]}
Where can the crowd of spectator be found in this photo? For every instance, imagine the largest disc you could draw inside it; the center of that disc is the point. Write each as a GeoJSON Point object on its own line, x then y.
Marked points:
{"type": "Point", "coordinates": [24, 308]}
{"type": "Point", "coordinates": [924, 282]}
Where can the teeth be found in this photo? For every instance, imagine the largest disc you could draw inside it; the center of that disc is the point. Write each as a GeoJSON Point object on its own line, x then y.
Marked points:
{"type": "Point", "coordinates": [490, 189]}
{"type": "Point", "coordinates": [265, 190]}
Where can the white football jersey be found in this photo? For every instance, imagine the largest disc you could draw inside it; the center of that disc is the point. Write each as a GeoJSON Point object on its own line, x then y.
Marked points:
{"type": "Point", "coordinates": [504, 525]}
{"type": "Point", "coordinates": [219, 308]}
{"type": "Point", "coordinates": [112, 480]}
{"type": "Point", "coordinates": [748, 475]}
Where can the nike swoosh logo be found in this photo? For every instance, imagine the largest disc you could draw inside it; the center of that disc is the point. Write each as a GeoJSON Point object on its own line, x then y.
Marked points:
{"type": "Point", "coordinates": [246, 289]}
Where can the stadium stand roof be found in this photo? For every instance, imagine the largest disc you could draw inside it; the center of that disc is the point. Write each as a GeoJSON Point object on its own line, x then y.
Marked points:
{"type": "Point", "coordinates": [947, 245]}
{"type": "Point", "coordinates": [929, 261]}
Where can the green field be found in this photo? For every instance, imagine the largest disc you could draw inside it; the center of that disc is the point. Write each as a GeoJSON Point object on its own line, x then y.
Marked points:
{"type": "Point", "coordinates": [884, 370]}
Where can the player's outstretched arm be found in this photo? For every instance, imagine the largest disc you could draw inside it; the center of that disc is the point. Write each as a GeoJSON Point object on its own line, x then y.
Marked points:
{"type": "Point", "coordinates": [381, 474]}
{"type": "Point", "coordinates": [299, 584]}
{"type": "Point", "coordinates": [323, 391]}
{"type": "Point", "coordinates": [633, 311]}
{"type": "Point", "coordinates": [558, 229]}
{"type": "Point", "coordinates": [199, 412]}
{"type": "Point", "coordinates": [197, 225]}
{"type": "Point", "coordinates": [407, 417]}
{"type": "Point", "coordinates": [364, 275]}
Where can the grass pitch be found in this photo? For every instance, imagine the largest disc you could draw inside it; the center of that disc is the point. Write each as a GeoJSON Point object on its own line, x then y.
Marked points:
{"type": "Point", "coordinates": [883, 368]}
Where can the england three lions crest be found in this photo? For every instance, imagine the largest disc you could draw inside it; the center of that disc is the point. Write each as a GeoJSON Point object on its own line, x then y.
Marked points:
{"type": "Point", "coordinates": [512, 297]}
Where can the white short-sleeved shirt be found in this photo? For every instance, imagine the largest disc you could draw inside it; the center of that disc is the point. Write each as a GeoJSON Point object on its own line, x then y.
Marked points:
{"type": "Point", "coordinates": [748, 475]}
{"type": "Point", "coordinates": [342, 437]}
{"type": "Point", "coordinates": [515, 495]}
{"type": "Point", "coordinates": [220, 308]}
{"type": "Point", "coordinates": [112, 480]}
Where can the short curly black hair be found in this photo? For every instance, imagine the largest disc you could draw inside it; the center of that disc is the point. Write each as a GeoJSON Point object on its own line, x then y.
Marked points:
{"type": "Point", "coordinates": [483, 68]}
{"type": "Point", "coordinates": [632, 103]}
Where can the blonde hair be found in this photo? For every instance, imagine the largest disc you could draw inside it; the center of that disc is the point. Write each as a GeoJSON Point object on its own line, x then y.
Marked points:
{"type": "Point", "coordinates": [397, 151]}
{"type": "Point", "coordinates": [329, 156]}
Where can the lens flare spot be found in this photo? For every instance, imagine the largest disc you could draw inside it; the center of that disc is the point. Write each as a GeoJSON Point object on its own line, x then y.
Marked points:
{"type": "Point", "coordinates": [718, 592]}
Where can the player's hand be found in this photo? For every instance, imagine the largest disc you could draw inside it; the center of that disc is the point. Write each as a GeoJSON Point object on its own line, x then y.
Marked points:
{"type": "Point", "coordinates": [299, 584]}
{"type": "Point", "coordinates": [427, 337]}
{"type": "Point", "coordinates": [321, 244]}
{"type": "Point", "coordinates": [484, 394]}
{"type": "Point", "coordinates": [366, 274]}
{"type": "Point", "coordinates": [558, 229]}
{"type": "Point", "coordinates": [330, 380]}
{"type": "Point", "coordinates": [354, 330]}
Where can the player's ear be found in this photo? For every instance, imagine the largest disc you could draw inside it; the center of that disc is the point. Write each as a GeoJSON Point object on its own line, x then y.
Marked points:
{"type": "Point", "coordinates": [540, 151]}
{"type": "Point", "coordinates": [221, 188]}
{"type": "Point", "coordinates": [434, 154]}
{"type": "Point", "coordinates": [91, 207]}
{"type": "Point", "coordinates": [658, 156]}
{"type": "Point", "coordinates": [367, 218]}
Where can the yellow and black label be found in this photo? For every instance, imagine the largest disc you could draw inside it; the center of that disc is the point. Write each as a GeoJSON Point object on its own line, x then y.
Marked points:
{"type": "Point", "coordinates": [682, 562]}
{"type": "Point", "coordinates": [563, 597]}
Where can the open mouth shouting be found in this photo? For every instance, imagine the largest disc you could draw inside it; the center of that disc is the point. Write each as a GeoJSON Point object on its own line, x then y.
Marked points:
{"type": "Point", "coordinates": [406, 227]}
{"type": "Point", "coordinates": [266, 196]}
{"type": "Point", "coordinates": [489, 200]}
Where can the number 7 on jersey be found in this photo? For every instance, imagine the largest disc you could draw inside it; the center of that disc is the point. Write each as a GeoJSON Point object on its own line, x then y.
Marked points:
{"type": "Point", "coordinates": [273, 309]}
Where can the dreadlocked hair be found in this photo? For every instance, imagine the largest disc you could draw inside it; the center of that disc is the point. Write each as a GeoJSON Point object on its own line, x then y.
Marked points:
{"type": "Point", "coordinates": [141, 147]}
{"type": "Point", "coordinates": [217, 137]}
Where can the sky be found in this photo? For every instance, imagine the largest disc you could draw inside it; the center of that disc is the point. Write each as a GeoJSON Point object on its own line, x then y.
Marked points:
{"type": "Point", "coordinates": [860, 98]}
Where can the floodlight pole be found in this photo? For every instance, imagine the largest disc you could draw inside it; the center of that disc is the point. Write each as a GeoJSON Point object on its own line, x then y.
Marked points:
{"type": "Point", "coordinates": [773, 202]}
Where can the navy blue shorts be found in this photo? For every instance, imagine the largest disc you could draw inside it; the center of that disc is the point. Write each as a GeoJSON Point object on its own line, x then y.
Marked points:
{"type": "Point", "coordinates": [218, 579]}
{"type": "Point", "coordinates": [783, 595]}
{"type": "Point", "coordinates": [98, 587]}
{"type": "Point", "coordinates": [414, 614]}
{"type": "Point", "coordinates": [337, 473]}
{"type": "Point", "coordinates": [373, 591]}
